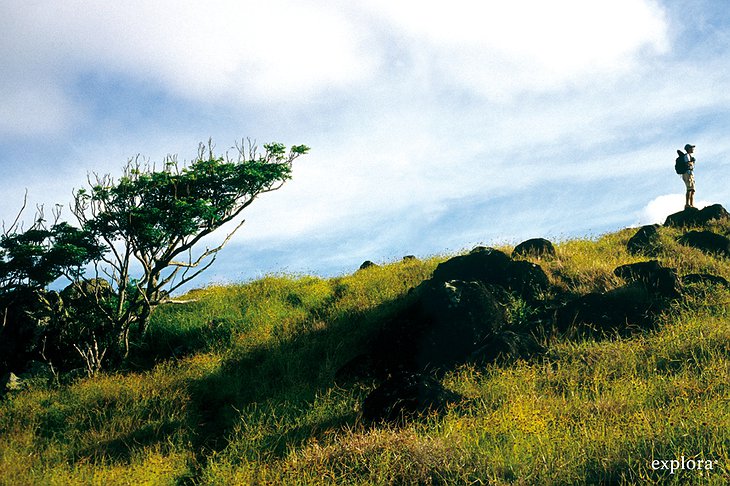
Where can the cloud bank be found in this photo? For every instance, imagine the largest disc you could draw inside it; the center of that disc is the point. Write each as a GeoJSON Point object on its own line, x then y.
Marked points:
{"type": "Point", "coordinates": [432, 126]}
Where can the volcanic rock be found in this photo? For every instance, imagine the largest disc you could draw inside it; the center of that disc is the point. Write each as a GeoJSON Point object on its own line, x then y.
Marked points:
{"type": "Point", "coordinates": [534, 247]}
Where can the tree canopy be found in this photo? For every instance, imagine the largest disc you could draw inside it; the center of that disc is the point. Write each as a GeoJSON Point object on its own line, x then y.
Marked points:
{"type": "Point", "coordinates": [140, 233]}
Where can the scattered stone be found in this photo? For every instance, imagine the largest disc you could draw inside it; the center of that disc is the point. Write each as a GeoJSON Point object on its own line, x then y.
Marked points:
{"type": "Point", "coordinates": [646, 240]}
{"type": "Point", "coordinates": [660, 280]}
{"type": "Point", "coordinates": [527, 279]}
{"type": "Point", "coordinates": [605, 314]}
{"type": "Point", "coordinates": [707, 241]}
{"type": "Point", "coordinates": [697, 217]}
{"type": "Point", "coordinates": [486, 265]}
{"type": "Point", "coordinates": [367, 264]}
{"type": "Point", "coordinates": [493, 267]}
{"type": "Point", "coordinates": [442, 328]}
{"type": "Point", "coordinates": [714, 213]}
{"type": "Point", "coordinates": [457, 316]}
{"type": "Point", "coordinates": [537, 247]}
{"type": "Point", "coordinates": [686, 217]}
{"type": "Point", "coordinates": [406, 395]}
{"type": "Point", "coordinates": [463, 316]}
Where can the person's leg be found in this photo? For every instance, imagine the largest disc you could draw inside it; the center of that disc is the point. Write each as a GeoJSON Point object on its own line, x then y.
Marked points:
{"type": "Point", "coordinates": [689, 183]}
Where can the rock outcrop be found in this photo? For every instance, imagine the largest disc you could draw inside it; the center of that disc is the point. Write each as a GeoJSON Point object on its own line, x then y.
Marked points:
{"type": "Point", "coordinates": [644, 241]}
{"type": "Point", "coordinates": [466, 313]}
{"type": "Point", "coordinates": [367, 264]}
{"type": "Point", "coordinates": [537, 247]}
{"type": "Point", "coordinates": [659, 280]}
{"type": "Point", "coordinates": [697, 217]}
{"type": "Point", "coordinates": [491, 266]}
{"type": "Point", "coordinates": [707, 241]}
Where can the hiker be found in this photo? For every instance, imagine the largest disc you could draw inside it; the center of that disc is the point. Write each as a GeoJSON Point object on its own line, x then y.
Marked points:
{"type": "Point", "coordinates": [688, 176]}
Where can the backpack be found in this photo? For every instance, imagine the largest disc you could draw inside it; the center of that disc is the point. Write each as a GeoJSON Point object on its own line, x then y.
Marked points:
{"type": "Point", "coordinates": [680, 164]}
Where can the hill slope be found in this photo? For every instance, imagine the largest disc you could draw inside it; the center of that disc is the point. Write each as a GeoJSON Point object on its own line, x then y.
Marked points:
{"type": "Point", "coordinates": [239, 387]}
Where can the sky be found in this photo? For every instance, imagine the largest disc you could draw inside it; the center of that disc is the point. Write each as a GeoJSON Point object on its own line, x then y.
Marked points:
{"type": "Point", "coordinates": [433, 126]}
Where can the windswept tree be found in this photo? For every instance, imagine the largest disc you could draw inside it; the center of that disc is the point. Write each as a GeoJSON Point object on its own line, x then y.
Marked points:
{"type": "Point", "coordinates": [151, 223]}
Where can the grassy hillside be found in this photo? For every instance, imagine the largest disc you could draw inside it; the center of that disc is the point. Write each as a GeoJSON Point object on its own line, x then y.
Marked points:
{"type": "Point", "coordinates": [238, 387]}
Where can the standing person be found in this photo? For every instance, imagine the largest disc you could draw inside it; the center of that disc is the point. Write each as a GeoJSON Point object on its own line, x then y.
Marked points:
{"type": "Point", "coordinates": [688, 177]}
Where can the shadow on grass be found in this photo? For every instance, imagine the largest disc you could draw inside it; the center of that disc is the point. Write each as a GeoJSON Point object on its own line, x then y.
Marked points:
{"type": "Point", "coordinates": [121, 449]}
{"type": "Point", "coordinates": [287, 377]}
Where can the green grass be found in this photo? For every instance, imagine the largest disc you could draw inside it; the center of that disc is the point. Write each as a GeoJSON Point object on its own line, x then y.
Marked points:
{"type": "Point", "coordinates": [239, 387]}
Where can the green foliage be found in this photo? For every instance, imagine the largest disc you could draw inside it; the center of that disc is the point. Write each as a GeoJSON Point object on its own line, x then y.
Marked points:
{"type": "Point", "coordinates": [154, 209]}
{"type": "Point", "coordinates": [38, 256]}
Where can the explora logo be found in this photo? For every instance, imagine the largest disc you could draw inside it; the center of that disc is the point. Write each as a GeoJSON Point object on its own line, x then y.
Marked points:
{"type": "Point", "coordinates": [683, 464]}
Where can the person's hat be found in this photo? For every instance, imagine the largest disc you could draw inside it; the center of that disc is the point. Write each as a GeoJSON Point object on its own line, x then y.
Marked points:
{"type": "Point", "coordinates": [689, 146]}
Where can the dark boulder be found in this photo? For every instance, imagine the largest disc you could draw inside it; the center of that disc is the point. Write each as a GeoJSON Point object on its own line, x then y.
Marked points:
{"type": "Point", "coordinates": [493, 267]}
{"type": "Point", "coordinates": [406, 395]}
{"type": "Point", "coordinates": [604, 314]}
{"type": "Point", "coordinates": [697, 217]}
{"type": "Point", "coordinates": [486, 265]}
{"type": "Point", "coordinates": [645, 240]}
{"type": "Point", "coordinates": [705, 278]}
{"type": "Point", "coordinates": [409, 258]}
{"type": "Point", "coordinates": [463, 315]}
{"type": "Point", "coordinates": [527, 279]}
{"type": "Point", "coordinates": [443, 327]}
{"type": "Point", "coordinates": [707, 241]}
{"type": "Point", "coordinates": [658, 279]}
{"type": "Point", "coordinates": [537, 247]}
{"type": "Point", "coordinates": [714, 213]}
{"type": "Point", "coordinates": [686, 217]}
{"type": "Point", "coordinates": [367, 264]}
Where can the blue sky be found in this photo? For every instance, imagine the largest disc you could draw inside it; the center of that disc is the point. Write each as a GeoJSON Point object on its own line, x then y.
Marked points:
{"type": "Point", "coordinates": [434, 126]}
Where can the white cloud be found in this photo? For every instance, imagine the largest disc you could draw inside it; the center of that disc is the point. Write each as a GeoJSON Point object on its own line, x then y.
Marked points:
{"type": "Point", "coordinates": [501, 49]}
{"type": "Point", "coordinates": [413, 110]}
{"type": "Point", "coordinates": [284, 50]}
{"type": "Point", "coordinates": [224, 51]}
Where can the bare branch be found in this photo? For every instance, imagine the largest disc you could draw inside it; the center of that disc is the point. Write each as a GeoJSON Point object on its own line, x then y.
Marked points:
{"type": "Point", "coordinates": [14, 227]}
{"type": "Point", "coordinates": [208, 252]}
{"type": "Point", "coordinates": [173, 301]}
{"type": "Point", "coordinates": [185, 280]}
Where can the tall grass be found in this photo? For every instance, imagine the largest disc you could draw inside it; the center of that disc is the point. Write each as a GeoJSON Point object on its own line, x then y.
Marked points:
{"type": "Point", "coordinates": [238, 387]}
